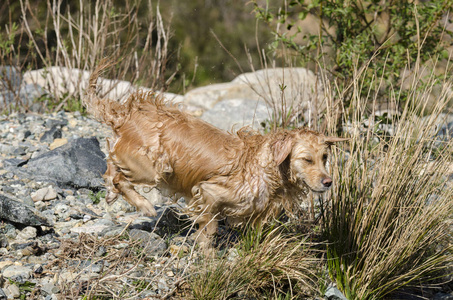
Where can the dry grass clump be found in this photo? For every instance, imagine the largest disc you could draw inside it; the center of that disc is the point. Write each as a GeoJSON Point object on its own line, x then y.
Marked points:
{"type": "Point", "coordinates": [267, 266]}
{"type": "Point", "coordinates": [387, 225]}
{"type": "Point", "coordinates": [127, 267]}
{"type": "Point", "coordinates": [68, 39]}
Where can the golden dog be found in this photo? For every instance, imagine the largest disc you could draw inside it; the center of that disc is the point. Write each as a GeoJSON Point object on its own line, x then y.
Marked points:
{"type": "Point", "coordinates": [244, 177]}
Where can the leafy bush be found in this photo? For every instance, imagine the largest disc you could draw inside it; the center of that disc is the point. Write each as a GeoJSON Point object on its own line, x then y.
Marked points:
{"type": "Point", "coordinates": [375, 37]}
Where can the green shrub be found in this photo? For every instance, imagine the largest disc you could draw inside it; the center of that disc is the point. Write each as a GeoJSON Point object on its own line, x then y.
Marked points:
{"type": "Point", "coordinates": [375, 37]}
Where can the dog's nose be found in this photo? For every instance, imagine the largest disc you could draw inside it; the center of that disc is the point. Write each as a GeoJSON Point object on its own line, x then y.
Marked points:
{"type": "Point", "coordinates": [327, 182]}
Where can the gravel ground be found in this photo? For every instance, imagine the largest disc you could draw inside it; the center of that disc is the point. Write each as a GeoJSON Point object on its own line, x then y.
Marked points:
{"type": "Point", "coordinates": [60, 240]}
{"type": "Point", "coordinates": [82, 246]}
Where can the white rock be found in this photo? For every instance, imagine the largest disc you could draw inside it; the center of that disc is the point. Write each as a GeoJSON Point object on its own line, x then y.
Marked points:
{"type": "Point", "coordinates": [299, 88]}
{"type": "Point", "coordinates": [207, 96]}
{"type": "Point", "coordinates": [44, 194]}
{"type": "Point", "coordinates": [28, 233]}
{"type": "Point", "coordinates": [12, 291]}
{"type": "Point", "coordinates": [62, 80]}
{"type": "Point", "coordinates": [89, 229]}
{"type": "Point", "coordinates": [15, 270]}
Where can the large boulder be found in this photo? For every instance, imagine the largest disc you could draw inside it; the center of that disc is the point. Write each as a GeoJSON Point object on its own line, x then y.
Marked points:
{"type": "Point", "coordinates": [232, 114]}
{"type": "Point", "coordinates": [77, 164]}
{"type": "Point", "coordinates": [206, 97]}
{"type": "Point", "coordinates": [298, 89]}
{"type": "Point", "coordinates": [60, 81]}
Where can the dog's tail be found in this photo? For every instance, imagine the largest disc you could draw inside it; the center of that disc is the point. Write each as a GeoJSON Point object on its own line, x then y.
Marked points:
{"type": "Point", "coordinates": [104, 110]}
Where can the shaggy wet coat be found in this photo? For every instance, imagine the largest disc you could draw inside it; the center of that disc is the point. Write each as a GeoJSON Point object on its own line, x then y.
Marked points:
{"type": "Point", "coordinates": [244, 177]}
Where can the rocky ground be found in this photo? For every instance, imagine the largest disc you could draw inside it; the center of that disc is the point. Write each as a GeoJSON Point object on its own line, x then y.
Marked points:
{"type": "Point", "coordinates": [58, 237]}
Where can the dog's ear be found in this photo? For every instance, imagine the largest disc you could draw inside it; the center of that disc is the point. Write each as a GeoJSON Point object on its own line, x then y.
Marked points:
{"type": "Point", "coordinates": [330, 140]}
{"type": "Point", "coordinates": [281, 149]}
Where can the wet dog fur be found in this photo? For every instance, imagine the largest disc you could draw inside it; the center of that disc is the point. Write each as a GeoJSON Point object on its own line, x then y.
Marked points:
{"type": "Point", "coordinates": [245, 177]}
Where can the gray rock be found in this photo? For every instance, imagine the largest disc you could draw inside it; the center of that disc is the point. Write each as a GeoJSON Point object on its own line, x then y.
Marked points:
{"type": "Point", "coordinates": [80, 163]}
{"type": "Point", "coordinates": [3, 241]}
{"type": "Point", "coordinates": [151, 242]}
{"type": "Point", "coordinates": [13, 162]}
{"type": "Point", "coordinates": [207, 96]}
{"type": "Point", "coordinates": [237, 113]}
{"type": "Point", "coordinates": [28, 233]}
{"type": "Point", "coordinates": [14, 271]}
{"type": "Point", "coordinates": [12, 91]}
{"type": "Point", "coordinates": [333, 293]}
{"type": "Point", "coordinates": [18, 212]}
{"type": "Point", "coordinates": [162, 285]}
{"type": "Point", "coordinates": [7, 149]}
{"type": "Point", "coordinates": [51, 134]}
{"type": "Point", "coordinates": [29, 94]}
{"type": "Point", "coordinates": [49, 289]}
{"type": "Point", "coordinates": [2, 295]}
{"type": "Point", "coordinates": [12, 291]}
{"type": "Point", "coordinates": [444, 126]}
{"type": "Point", "coordinates": [443, 296]}
{"type": "Point", "coordinates": [10, 79]}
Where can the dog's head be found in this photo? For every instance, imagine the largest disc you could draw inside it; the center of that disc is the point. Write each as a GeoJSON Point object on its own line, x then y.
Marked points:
{"type": "Point", "coordinates": [306, 154]}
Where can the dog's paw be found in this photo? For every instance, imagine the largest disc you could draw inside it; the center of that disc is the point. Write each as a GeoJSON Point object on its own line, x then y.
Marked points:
{"type": "Point", "coordinates": [110, 197]}
{"type": "Point", "coordinates": [148, 210]}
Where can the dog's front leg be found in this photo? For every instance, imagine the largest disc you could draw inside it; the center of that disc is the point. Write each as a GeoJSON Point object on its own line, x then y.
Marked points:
{"type": "Point", "coordinates": [109, 175]}
{"type": "Point", "coordinates": [202, 207]}
{"type": "Point", "coordinates": [130, 194]}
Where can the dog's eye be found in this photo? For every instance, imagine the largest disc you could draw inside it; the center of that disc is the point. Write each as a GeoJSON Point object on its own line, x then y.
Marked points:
{"type": "Point", "coordinates": [308, 160]}
{"type": "Point", "coordinates": [324, 157]}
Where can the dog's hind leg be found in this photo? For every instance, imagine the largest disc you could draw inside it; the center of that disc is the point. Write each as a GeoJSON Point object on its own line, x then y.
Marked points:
{"type": "Point", "coordinates": [132, 196]}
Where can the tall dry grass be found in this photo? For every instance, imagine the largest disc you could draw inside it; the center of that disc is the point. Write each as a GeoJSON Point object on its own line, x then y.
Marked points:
{"type": "Point", "coordinates": [68, 39]}
{"type": "Point", "coordinates": [263, 265]}
{"type": "Point", "coordinates": [387, 225]}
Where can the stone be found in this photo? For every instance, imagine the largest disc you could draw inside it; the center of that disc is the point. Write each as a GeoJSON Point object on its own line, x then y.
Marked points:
{"type": "Point", "coordinates": [10, 78]}
{"type": "Point", "coordinates": [14, 271]}
{"type": "Point", "coordinates": [332, 293]}
{"type": "Point", "coordinates": [78, 164]}
{"type": "Point", "coordinates": [44, 194]}
{"type": "Point", "coordinates": [67, 276]}
{"type": "Point", "coordinates": [18, 212]}
{"type": "Point", "coordinates": [5, 263]}
{"type": "Point", "coordinates": [28, 233]}
{"type": "Point", "coordinates": [49, 289]}
{"type": "Point", "coordinates": [237, 113]}
{"type": "Point", "coordinates": [3, 241]}
{"type": "Point", "coordinates": [208, 96]}
{"type": "Point", "coordinates": [58, 142]}
{"type": "Point", "coordinates": [29, 93]}
{"type": "Point", "coordinates": [66, 81]}
{"type": "Point", "coordinates": [296, 88]}
{"type": "Point", "coordinates": [162, 285]}
{"type": "Point", "coordinates": [151, 242]}
{"type": "Point", "coordinates": [442, 296]}
{"type": "Point", "coordinates": [51, 134]}
{"type": "Point", "coordinates": [91, 229]}
{"type": "Point", "coordinates": [12, 291]}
